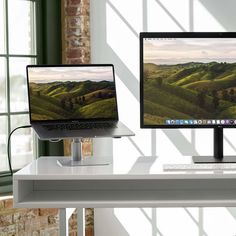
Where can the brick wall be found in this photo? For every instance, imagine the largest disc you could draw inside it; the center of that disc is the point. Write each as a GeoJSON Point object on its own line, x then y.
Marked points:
{"type": "Point", "coordinates": [27, 222]}
{"type": "Point", "coordinates": [37, 222]}
{"type": "Point", "coordinates": [75, 32]}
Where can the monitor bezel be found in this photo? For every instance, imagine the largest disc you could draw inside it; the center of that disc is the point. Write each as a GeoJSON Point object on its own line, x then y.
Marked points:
{"type": "Point", "coordinates": [74, 120]}
{"type": "Point", "coordinates": [143, 35]}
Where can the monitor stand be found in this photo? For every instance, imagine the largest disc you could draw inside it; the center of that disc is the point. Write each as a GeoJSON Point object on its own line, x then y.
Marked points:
{"type": "Point", "coordinates": [77, 157]}
{"type": "Point", "coordinates": [218, 156]}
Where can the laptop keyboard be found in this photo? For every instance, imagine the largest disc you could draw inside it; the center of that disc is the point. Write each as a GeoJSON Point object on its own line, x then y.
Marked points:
{"type": "Point", "coordinates": [83, 125]}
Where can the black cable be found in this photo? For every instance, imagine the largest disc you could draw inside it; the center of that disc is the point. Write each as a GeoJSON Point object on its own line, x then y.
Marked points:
{"type": "Point", "coordinates": [8, 145]}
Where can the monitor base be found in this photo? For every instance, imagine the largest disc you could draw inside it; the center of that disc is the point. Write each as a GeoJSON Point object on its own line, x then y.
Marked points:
{"type": "Point", "coordinates": [85, 162]}
{"type": "Point", "coordinates": [212, 159]}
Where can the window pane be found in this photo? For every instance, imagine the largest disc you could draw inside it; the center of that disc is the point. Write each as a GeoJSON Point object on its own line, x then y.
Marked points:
{"type": "Point", "coordinates": [21, 27]}
{"type": "Point", "coordinates": [18, 85]}
{"type": "Point", "coordinates": [3, 84]}
{"type": "Point", "coordinates": [3, 144]}
{"type": "Point", "coordinates": [21, 142]}
{"type": "Point", "coordinates": [2, 27]}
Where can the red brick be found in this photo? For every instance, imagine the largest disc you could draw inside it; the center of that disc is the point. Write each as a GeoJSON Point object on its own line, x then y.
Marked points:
{"type": "Point", "coordinates": [89, 231]}
{"type": "Point", "coordinates": [75, 2]}
{"type": "Point", "coordinates": [48, 211]}
{"type": "Point", "coordinates": [72, 11]}
{"type": "Point", "coordinates": [8, 204]}
{"type": "Point", "coordinates": [74, 53]}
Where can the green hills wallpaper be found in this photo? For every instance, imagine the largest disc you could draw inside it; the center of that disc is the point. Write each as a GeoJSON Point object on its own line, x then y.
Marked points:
{"type": "Point", "coordinates": [194, 90]}
{"type": "Point", "coordinates": [73, 100]}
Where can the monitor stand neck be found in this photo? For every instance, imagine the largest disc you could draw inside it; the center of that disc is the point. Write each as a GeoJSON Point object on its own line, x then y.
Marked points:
{"type": "Point", "coordinates": [218, 151]}
{"type": "Point", "coordinates": [218, 143]}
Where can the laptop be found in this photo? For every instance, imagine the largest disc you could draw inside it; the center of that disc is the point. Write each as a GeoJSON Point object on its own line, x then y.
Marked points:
{"type": "Point", "coordinates": [68, 101]}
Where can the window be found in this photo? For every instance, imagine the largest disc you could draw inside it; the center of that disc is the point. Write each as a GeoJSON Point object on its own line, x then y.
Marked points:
{"type": "Point", "coordinates": [17, 49]}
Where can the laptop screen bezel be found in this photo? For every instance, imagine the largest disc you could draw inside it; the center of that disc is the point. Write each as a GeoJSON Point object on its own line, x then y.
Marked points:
{"type": "Point", "coordinates": [116, 117]}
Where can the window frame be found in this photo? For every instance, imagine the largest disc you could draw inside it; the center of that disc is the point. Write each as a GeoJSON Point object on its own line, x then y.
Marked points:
{"type": "Point", "coordinates": [48, 51]}
{"type": "Point", "coordinates": [6, 55]}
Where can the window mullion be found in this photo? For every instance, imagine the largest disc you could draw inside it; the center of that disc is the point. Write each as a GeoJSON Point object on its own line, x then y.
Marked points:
{"type": "Point", "coordinates": [18, 55]}
{"type": "Point", "coordinates": [14, 113]}
{"type": "Point", "coordinates": [7, 70]}
{"type": "Point", "coordinates": [33, 28]}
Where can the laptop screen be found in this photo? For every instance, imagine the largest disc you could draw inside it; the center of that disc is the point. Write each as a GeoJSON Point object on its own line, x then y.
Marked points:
{"type": "Point", "coordinates": [69, 92]}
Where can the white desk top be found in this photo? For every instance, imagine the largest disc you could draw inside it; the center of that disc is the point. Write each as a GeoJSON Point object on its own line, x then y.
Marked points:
{"type": "Point", "coordinates": [44, 183]}
{"type": "Point", "coordinates": [46, 168]}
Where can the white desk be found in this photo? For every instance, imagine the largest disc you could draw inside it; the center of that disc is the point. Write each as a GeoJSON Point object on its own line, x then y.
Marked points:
{"type": "Point", "coordinates": [45, 184]}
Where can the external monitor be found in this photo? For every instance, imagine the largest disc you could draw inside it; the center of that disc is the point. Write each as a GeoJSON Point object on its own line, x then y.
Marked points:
{"type": "Point", "coordinates": [188, 80]}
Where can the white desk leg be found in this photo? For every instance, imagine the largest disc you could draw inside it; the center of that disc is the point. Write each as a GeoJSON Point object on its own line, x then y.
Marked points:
{"type": "Point", "coordinates": [81, 221]}
{"type": "Point", "coordinates": [62, 222]}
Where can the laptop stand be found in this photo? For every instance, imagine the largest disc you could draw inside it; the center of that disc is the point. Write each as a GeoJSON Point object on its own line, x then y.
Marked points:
{"type": "Point", "coordinates": [77, 157]}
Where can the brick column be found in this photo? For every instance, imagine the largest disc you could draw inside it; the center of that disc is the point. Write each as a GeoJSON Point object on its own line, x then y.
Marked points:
{"type": "Point", "coordinates": [75, 32]}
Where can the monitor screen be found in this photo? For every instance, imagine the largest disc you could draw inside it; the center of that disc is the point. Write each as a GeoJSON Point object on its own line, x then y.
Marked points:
{"type": "Point", "coordinates": [188, 79]}
{"type": "Point", "coordinates": [75, 92]}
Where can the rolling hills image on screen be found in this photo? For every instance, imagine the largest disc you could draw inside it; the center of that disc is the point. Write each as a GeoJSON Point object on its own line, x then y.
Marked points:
{"type": "Point", "coordinates": [193, 90]}
{"type": "Point", "coordinates": [72, 100]}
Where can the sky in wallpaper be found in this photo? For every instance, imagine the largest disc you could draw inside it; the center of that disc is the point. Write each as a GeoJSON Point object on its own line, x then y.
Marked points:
{"type": "Point", "coordinates": [63, 74]}
{"type": "Point", "coordinates": [184, 50]}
